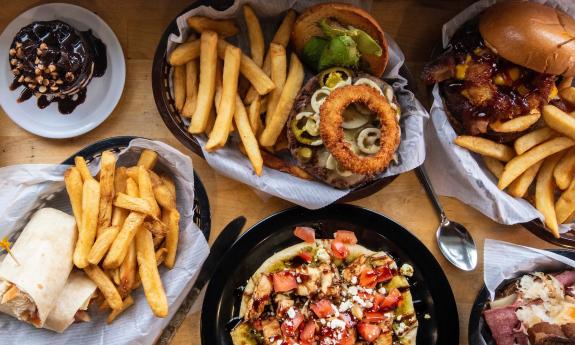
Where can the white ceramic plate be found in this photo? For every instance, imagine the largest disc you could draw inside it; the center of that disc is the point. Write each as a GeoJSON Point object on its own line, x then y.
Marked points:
{"type": "Point", "coordinates": [103, 93]}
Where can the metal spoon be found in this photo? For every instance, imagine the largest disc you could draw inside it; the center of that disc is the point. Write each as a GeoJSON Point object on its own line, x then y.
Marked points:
{"type": "Point", "coordinates": [453, 239]}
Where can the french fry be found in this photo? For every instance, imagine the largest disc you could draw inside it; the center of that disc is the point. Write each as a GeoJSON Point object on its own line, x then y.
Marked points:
{"type": "Point", "coordinates": [565, 170]}
{"type": "Point", "coordinates": [255, 35]}
{"type": "Point", "coordinates": [105, 285]}
{"type": "Point", "coordinates": [291, 88]}
{"type": "Point", "coordinates": [149, 275]}
{"type": "Point", "coordinates": [184, 53]}
{"type": "Point", "coordinates": [147, 191]}
{"type": "Point", "coordinates": [519, 187]}
{"type": "Point", "coordinates": [493, 165]}
{"type": "Point", "coordinates": [517, 124]}
{"type": "Point", "coordinates": [565, 83]}
{"type": "Point", "coordinates": [169, 182]}
{"type": "Point", "coordinates": [485, 147]}
{"type": "Point", "coordinates": [173, 223]}
{"type": "Point", "coordinates": [148, 159]}
{"type": "Point", "coordinates": [231, 72]}
{"type": "Point", "coordinates": [254, 111]}
{"type": "Point", "coordinates": [107, 172]}
{"type": "Point", "coordinates": [132, 187]}
{"type": "Point", "coordinates": [120, 181]}
{"type": "Point", "coordinates": [568, 95]}
{"type": "Point", "coordinates": [161, 256]}
{"type": "Point", "coordinates": [207, 86]}
{"type": "Point", "coordinates": [519, 164]}
{"type": "Point", "coordinates": [532, 139]}
{"type": "Point", "coordinates": [281, 37]}
{"type": "Point", "coordinates": [102, 244]}
{"type": "Point", "coordinates": [126, 303]}
{"type": "Point", "coordinates": [82, 166]}
{"type": "Point", "coordinates": [87, 232]}
{"type": "Point", "coordinates": [248, 137]}
{"type": "Point", "coordinates": [158, 241]}
{"type": "Point", "coordinates": [544, 193]}
{"type": "Point", "coordinates": [559, 120]}
{"type": "Point", "coordinates": [191, 89]}
{"type": "Point", "coordinates": [156, 227]}
{"type": "Point", "coordinates": [73, 181]}
{"type": "Point", "coordinates": [128, 271]}
{"type": "Point", "coordinates": [223, 27]}
{"type": "Point", "coordinates": [179, 84]}
{"type": "Point", "coordinates": [565, 205]}
{"type": "Point", "coordinates": [162, 193]}
{"type": "Point", "coordinates": [121, 244]}
{"type": "Point", "coordinates": [134, 204]}
{"type": "Point", "coordinates": [278, 75]}
{"type": "Point", "coordinates": [250, 70]}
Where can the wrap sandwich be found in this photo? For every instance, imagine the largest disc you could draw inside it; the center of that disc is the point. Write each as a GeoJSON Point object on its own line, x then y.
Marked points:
{"type": "Point", "coordinates": [324, 289]}
{"type": "Point", "coordinates": [35, 284]}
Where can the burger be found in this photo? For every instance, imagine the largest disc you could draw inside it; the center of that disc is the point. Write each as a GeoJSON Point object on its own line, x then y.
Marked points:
{"type": "Point", "coordinates": [503, 65]}
{"type": "Point", "coordinates": [343, 128]}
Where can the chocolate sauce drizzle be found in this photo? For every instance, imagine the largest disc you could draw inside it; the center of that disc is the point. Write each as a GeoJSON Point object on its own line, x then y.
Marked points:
{"type": "Point", "coordinates": [74, 56]}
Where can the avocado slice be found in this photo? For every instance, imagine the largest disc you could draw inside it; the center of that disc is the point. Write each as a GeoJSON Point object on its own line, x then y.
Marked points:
{"type": "Point", "coordinates": [313, 50]}
{"type": "Point", "coordinates": [341, 51]}
{"type": "Point", "coordinates": [365, 43]}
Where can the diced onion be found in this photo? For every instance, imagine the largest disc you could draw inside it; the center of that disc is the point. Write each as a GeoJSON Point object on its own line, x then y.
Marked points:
{"type": "Point", "coordinates": [368, 82]}
{"type": "Point", "coordinates": [316, 102]}
{"type": "Point", "coordinates": [369, 135]}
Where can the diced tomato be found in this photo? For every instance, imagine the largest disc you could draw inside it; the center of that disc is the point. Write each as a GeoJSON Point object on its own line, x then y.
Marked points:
{"type": "Point", "coordinates": [373, 316]}
{"type": "Point", "coordinates": [368, 278]}
{"type": "Point", "coordinates": [305, 256]}
{"type": "Point", "coordinates": [322, 308]}
{"type": "Point", "coordinates": [308, 331]}
{"type": "Point", "coordinates": [368, 331]}
{"type": "Point", "coordinates": [305, 233]}
{"type": "Point", "coordinates": [284, 281]}
{"type": "Point", "coordinates": [390, 301]}
{"type": "Point", "coordinates": [348, 337]}
{"type": "Point", "coordinates": [290, 341]}
{"type": "Point", "coordinates": [346, 236]}
{"type": "Point", "coordinates": [290, 326]}
{"type": "Point", "coordinates": [383, 274]}
{"type": "Point", "coordinates": [339, 249]}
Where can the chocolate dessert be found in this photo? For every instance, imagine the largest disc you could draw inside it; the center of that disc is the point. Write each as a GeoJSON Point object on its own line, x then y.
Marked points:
{"type": "Point", "coordinates": [55, 62]}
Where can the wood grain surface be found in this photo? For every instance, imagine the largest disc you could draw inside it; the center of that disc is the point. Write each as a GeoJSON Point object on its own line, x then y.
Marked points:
{"type": "Point", "coordinates": [416, 25]}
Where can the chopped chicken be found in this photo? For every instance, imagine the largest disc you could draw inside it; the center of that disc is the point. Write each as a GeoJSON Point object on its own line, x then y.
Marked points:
{"type": "Point", "coordinates": [260, 298]}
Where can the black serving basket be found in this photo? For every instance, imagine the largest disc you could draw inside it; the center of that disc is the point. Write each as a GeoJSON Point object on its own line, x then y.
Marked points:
{"type": "Point", "coordinates": [166, 107]}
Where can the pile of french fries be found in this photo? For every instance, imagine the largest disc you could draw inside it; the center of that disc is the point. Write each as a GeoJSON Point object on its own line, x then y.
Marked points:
{"type": "Point", "coordinates": [208, 74]}
{"type": "Point", "coordinates": [545, 156]}
{"type": "Point", "coordinates": [128, 225]}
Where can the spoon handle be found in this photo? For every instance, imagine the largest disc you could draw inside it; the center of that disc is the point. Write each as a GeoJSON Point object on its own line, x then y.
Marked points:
{"type": "Point", "coordinates": [424, 179]}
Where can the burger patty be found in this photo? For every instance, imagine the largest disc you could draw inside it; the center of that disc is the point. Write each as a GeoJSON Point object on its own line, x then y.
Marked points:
{"type": "Point", "coordinates": [316, 165]}
{"type": "Point", "coordinates": [479, 87]}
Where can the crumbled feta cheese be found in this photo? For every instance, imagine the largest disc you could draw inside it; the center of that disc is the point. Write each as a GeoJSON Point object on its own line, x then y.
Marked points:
{"type": "Point", "coordinates": [291, 313]}
{"type": "Point", "coordinates": [398, 318]}
{"type": "Point", "coordinates": [344, 306]}
{"type": "Point", "coordinates": [298, 280]}
{"type": "Point", "coordinates": [368, 290]}
{"type": "Point", "coordinates": [337, 323]}
{"type": "Point", "coordinates": [322, 255]}
{"type": "Point", "coordinates": [322, 321]}
{"type": "Point", "coordinates": [393, 266]}
{"type": "Point", "coordinates": [352, 290]}
{"type": "Point", "coordinates": [353, 279]}
{"type": "Point", "coordinates": [359, 301]}
{"type": "Point", "coordinates": [406, 270]}
{"type": "Point", "coordinates": [382, 290]}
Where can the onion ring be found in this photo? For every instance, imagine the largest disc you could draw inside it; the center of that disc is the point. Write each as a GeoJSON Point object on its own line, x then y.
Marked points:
{"type": "Point", "coordinates": [332, 134]}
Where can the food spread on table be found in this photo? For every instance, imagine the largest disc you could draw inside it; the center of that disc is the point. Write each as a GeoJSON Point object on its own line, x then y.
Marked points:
{"type": "Point", "coordinates": [55, 62]}
{"type": "Point", "coordinates": [340, 127]}
{"type": "Point", "coordinates": [534, 309]}
{"type": "Point", "coordinates": [327, 291]}
{"type": "Point", "coordinates": [507, 89]}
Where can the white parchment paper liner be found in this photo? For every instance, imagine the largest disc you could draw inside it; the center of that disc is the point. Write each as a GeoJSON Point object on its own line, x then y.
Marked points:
{"type": "Point", "coordinates": [504, 261]}
{"type": "Point", "coordinates": [310, 194]}
{"type": "Point", "coordinates": [457, 172]}
{"type": "Point", "coordinates": [26, 187]}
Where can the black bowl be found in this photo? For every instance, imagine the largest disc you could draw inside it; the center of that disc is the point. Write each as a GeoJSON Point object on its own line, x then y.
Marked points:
{"type": "Point", "coordinates": [202, 216]}
{"type": "Point", "coordinates": [477, 327]}
{"type": "Point", "coordinates": [166, 107]}
{"type": "Point", "coordinates": [431, 291]}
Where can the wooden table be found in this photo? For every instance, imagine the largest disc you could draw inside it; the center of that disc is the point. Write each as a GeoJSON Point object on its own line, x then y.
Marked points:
{"type": "Point", "coordinates": [415, 24]}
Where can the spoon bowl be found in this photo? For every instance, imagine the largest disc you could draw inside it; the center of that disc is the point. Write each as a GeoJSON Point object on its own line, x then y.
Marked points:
{"type": "Point", "coordinates": [457, 245]}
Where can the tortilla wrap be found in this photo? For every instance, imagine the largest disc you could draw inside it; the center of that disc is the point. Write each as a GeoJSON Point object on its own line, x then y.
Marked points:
{"type": "Point", "coordinates": [76, 295]}
{"type": "Point", "coordinates": [44, 252]}
{"type": "Point", "coordinates": [273, 262]}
